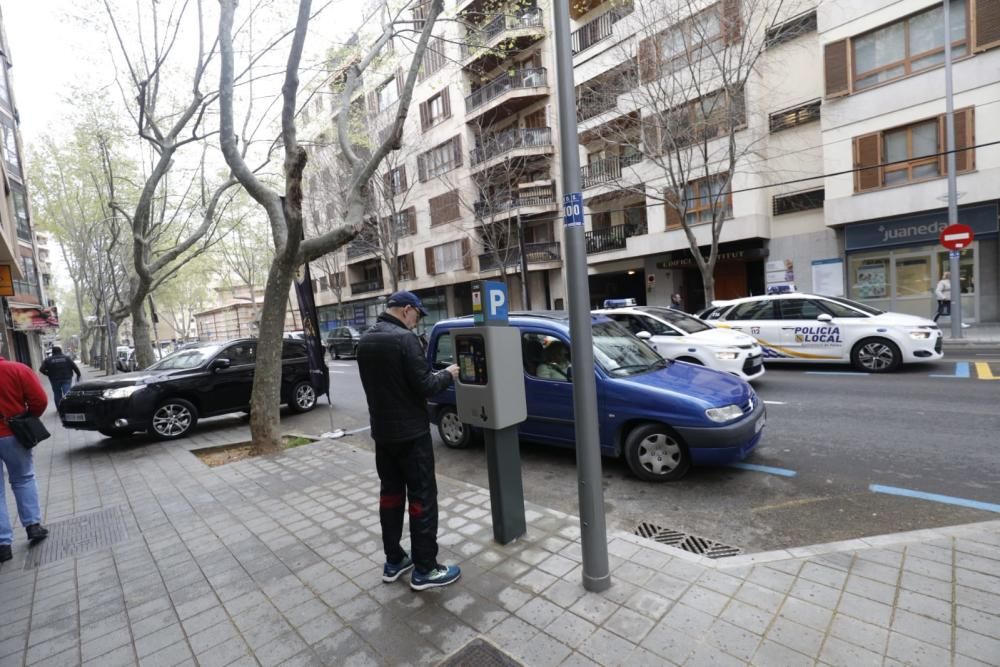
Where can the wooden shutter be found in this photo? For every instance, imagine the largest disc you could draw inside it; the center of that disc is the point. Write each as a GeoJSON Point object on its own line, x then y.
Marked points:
{"type": "Point", "coordinates": [402, 178]}
{"type": "Point", "coordinates": [986, 24]}
{"type": "Point", "coordinates": [425, 115]}
{"type": "Point", "coordinates": [373, 102]}
{"type": "Point", "coordinates": [429, 258]}
{"type": "Point", "coordinates": [411, 220]}
{"type": "Point", "coordinates": [387, 182]}
{"type": "Point", "coordinates": [466, 254]}
{"type": "Point", "coordinates": [422, 167]}
{"type": "Point", "coordinates": [837, 68]}
{"type": "Point", "coordinates": [445, 103]}
{"type": "Point", "coordinates": [647, 59]}
{"type": "Point", "coordinates": [671, 207]}
{"type": "Point", "coordinates": [867, 157]}
{"type": "Point", "coordinates": [965, 137]}
{"type": "Point", "coordinates": [731, 26]}
{"type": "Point", "coordinates": [456, 144]}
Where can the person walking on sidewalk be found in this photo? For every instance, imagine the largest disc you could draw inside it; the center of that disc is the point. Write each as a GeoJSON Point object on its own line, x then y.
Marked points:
{"type": "Point", "coordinates": [60, 370]}
{"type": "Point", "coordinates": [943, 294]}
{"type": "Point", "coordinates": [20, 391]}
{"type": "Point", "coordinates": [397, 382]}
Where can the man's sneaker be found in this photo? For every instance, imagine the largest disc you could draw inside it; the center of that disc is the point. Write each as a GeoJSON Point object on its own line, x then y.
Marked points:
{"type": "Point", "coordinates": [393, 571]}
{"type": "Point", "coordinates": [36, 532]}
{"type": "Point", "coordinates": [441, 575]}
{"type": "Point", "coordinates": [5, 553]}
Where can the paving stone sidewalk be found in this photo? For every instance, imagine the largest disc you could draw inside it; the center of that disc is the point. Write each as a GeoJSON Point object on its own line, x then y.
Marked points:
{"type": "Point", "coordinates": [278, 562]}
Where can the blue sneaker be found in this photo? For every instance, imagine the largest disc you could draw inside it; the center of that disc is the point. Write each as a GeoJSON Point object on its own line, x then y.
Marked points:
{"type": "Point", "coordinates": [441, 575]}
{"type": "Point", "coordinates": [393, 571]}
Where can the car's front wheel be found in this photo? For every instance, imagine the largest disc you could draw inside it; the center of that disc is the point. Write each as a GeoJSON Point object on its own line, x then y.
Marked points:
{"type": "Point", "coordinates": [334, 353]}
{"type": "Point", "coordinates": [303, 397]}
{"type": "Point", "coordinates": [454, 433]}
{"type": "Point", "coordinates": [174, 418]}
{"type": "Point", "coordinates": [655, 453]}
{"type": "Point", "coordinates": [876, 355]}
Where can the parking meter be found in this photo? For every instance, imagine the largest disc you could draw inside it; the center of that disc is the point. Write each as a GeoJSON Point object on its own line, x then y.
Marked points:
{"type": "Point", "coordinates": [489, 394]}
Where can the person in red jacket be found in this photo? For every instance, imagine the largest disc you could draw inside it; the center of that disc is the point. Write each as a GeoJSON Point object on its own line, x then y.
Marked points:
{"type": "Point", "coordinates": [20, 391]}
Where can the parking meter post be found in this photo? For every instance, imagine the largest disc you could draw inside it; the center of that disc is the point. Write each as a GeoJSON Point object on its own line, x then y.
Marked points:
{"type": "Point", "coordinates": [593, 531]}
{"type": "Point", "coordinates": [949, 132]}
{"type": "Point", "coordinates": [503, 464]}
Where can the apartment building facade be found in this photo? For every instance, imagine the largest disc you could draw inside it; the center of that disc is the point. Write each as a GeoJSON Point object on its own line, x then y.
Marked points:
{"type": "Point", "coordinates": [26, 312]}
{"type": "Point", "coordinates": [479, 166]}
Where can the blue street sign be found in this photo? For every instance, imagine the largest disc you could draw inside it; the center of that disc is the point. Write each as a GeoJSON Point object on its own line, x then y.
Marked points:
{"type": "Point", "coordinates": [489, 302]}
{"type": "Point", "coordinates": [573, 209]}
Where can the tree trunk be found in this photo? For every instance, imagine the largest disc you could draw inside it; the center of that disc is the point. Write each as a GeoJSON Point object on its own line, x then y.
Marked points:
{"type": "Point", "coordinates": [141, 334]}
{"type": "Point", "coordinates": [708, 279]}
{"type": "Point", "coordinates": [265, 411]}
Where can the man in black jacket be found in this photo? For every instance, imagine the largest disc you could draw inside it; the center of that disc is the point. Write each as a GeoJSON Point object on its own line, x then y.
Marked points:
{"type": "Point", "coordinates": [60, 370]}
{"type": "Point", "coordinates": [397, 383]}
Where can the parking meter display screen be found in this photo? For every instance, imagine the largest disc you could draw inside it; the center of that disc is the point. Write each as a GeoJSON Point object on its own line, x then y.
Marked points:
{"type": "Point", "coordinates": [471, 359]}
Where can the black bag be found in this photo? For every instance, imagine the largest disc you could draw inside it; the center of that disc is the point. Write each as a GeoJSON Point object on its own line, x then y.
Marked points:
{"type": "Point", "coordinates": [28, 429]}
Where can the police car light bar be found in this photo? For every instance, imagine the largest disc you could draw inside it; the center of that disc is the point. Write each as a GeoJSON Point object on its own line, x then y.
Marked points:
{"type": "Point", "coordinates": [619, 303]}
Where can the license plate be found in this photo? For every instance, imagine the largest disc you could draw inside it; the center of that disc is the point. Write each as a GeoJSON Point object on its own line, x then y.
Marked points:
{"type": "Point", "coordinates": [759, 426]}
{"type": "Point", "coordinates": [754, 363]}
{"type": "Point", "coordinates": [74, 417]}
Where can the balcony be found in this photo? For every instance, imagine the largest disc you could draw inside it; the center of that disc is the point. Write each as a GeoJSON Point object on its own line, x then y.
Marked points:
{"type": "Point", "coordinates": [522, 140]}
{"type": "Point", "coordinates": [358, 248]}
{"type": "Point", "coordinates": [533, 197]}
{"type": "Point", "coordinates": [598, 29]}
{"type": "Point", "coordinates": [594, 104]}
{"type": "Point", "coordinates": [607, 170]}
{"type": "Point", "coordinates": [612, 238]}
{"type": "Point", "coordinates": [366, 286]}
{"type": "Point", "coordinates": [508, 92]}
{"type": "Point", "coordinates": [534, 252]}
{"type": "Point", "coordinates": [515, 31]}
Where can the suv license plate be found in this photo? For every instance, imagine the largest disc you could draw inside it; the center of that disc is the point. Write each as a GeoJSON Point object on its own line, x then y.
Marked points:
{"type": "Point", "coordinates": [74, 417]}
{"type": "Point", "coordinates": [759, 426]}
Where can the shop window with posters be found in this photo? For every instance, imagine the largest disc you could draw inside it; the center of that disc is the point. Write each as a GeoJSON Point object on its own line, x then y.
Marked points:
{"type": "Point", "coordinates": [869, 278]}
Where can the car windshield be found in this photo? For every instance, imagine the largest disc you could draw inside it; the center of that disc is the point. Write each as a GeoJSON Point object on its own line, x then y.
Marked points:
{"type": "Point", "coordinates": [620, 353]}
{"type": "Point", "coordinates": [184, 359]}
{"type": "Point", "coordinates": [854, 304]}
{"type": "Point", "coordinates": [683, 321]}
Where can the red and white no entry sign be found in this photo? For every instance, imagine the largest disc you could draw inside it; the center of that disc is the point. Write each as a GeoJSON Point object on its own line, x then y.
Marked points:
{"type": "Point", "coordinates": [956, 237]}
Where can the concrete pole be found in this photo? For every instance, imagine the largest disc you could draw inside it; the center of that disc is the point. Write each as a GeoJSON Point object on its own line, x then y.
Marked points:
{"type": "Point", "coordinates": [949, 132]}
{"type": "Point", "coordinates": [593, 531]}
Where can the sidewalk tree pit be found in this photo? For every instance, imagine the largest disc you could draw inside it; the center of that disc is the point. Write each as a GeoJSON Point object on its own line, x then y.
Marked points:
{"type": "Point", "coordinates": [240, 451]}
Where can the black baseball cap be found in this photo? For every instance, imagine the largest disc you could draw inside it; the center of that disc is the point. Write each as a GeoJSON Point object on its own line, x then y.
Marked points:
{"type": "Point", "coordinates": [400, 299]}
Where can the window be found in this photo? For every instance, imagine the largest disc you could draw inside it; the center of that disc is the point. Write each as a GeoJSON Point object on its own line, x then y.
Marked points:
{"type": "Point", "coordinates": [435, 110]}
{"type": "Point", "coordinates": [912, 153]}
{"type": "Point", "coordinates": [448, 257]}
{"type": "Point", "coordinates": [440, 160]}
{"type": "Point", "coordinates": [403, 223]}
{"type": "Point", "coordinates": [799, 201]}
{"type": "Point", "coordinates": [29, 284]}
{"type": "Point", "coordinates": [707, 196]}
{"type": "Point", "coordinates": [395, 180]}
{"type": "Point", "coordinates": [404, 267]}
{"type": "Point", "coordinates": [420, 15]}
{"type": "Point", "coordinates": [710, 117]}
{"type": "Point", "coordinates": [800, 115]}
{"type": "Point", "coordinates": [387, 95]}
{"type": "Point", "coordinates": [4, 92]}
{"type": "Point", "coordinates": [434, 58]}
{"type": "Point", "coordinates": [240, 354]}
{"type": "Point", "coordinates": [753, 310]}
{"type": "Point", "coordinates": [800, 309]}
{"type": "Point", "coordinates": [689, 40]}
{"type": "Point", "coordinates": [290, 350]}
{"type": "Point", "coordinates": [10, 153]}
{"type": "Point", "coordinates": [444, 208]}
{"type": "Point", "coordinates": [911, 45]}
{"type": "Point", "coordinates": [20, 211]}
{"type": "Point", "coordinates": [545, 357]}
{"type": "Point", "coordinates": [790, 29]}
{"type": "Point", "coordinates": [444, 355]}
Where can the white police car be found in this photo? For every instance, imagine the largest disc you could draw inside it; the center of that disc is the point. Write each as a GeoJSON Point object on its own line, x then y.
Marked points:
{"type": "Point", "coordinates": [677, 335]}
{"type": "Point", "coordinates": [829, 329]}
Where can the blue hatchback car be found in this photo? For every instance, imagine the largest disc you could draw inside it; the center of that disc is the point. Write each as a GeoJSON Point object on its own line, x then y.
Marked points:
{"type": "Point", "coordinates": [662, 416]}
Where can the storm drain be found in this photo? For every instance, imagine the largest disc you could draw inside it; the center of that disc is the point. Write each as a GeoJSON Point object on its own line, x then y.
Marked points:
{"type": "Point", "coordinates": [479, 653]}
{"type": "Point", "coordinates": [78, 536]}
{"type": "Point", "coordinates": [677, 539]}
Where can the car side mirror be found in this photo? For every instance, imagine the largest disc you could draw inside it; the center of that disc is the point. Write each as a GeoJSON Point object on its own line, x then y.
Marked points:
{"type": "Point", "coordinates": [825, 317]}
{"type": "Point", "coordinates": [644, 335]}
{"type": "Point", "coordinates": [220, 364]}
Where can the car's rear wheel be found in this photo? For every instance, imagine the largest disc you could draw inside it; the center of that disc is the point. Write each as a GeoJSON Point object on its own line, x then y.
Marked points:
{"type": "Point", "coordinates": [174, 418]}
{"type": "Point", "coordinates": [876, 355]}
{"type": "Point", "coordinates": [116, 432]}
{"type": "Point", "coordinates": [303, 397]}
{"type": "Point", "coordinates": [655, 453]}
{"type": "Point", "coordinates": [454, 433]}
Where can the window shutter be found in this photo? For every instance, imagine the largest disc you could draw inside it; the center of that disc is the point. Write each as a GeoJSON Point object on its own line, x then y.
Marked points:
{"type": "Point", "coordinates": [837, 67]}
{"type": "Point", "coordinates": [466, 254]}
{"type": "Point", "coordinates": [445, 103]}
{"type": "Point", "coordinates": [402, 178]}
{"type": "Point", "coordinates": [387, 182]}
{"type": "Point", "coordinates": [425, 116]}
{"type": "Point", "coordinates": [422, 167]}
{"type": "Point", "coordinates": [731, 21]}
{"type": "Point", "coordinates": [373, 102]}
{"type": "Point", "coordinates": [647, 59]}
{"type": "Point", "coordinates": [965, 137]}
{"type": "Point", "coordinates": [429, 257]}
{"type": "Point", "coordinates": [456, 144]}
{"type": "Point", "coordinates": [671, 209]}
{"type": "Point", "coordinates": [867, 157]}
{"type": "Point", "coordinates": [986, 24]}
{"type": "Point", "coordinates": [411, 220]}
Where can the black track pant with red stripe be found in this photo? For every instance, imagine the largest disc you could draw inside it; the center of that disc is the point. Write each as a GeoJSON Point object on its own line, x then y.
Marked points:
{"type": "Point", "coordinates": [406, 470]}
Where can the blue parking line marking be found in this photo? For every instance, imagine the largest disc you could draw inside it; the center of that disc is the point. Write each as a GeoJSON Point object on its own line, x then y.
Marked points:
{"type": "Point", "coordinates": [833, 373]}
{"type": "Point", "coordinates": [782, 472]}
{"type": "Point", "coordinates": [949, 500]}
{"type": "Point", "coordinates": [962, 370]}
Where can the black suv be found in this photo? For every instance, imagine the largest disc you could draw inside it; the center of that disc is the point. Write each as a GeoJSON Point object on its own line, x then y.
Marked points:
{"type": "Point", "coordinates": [169, 397]}
{"type": "Point", "coordinates": [343, 340]}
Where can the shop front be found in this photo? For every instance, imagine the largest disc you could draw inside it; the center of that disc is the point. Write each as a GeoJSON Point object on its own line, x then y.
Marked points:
{"type": "Point", "coordinates": [895, 263]}
{"type": "Point", "coordinates": [739, 272]}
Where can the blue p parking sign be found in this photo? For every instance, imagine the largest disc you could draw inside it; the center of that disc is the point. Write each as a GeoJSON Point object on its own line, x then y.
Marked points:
{"type": "Point", "coordinates": [573, 209]}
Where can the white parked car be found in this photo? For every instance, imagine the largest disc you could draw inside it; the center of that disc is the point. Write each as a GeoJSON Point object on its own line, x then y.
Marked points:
{"type": "Point", "coordinates": [677, 335]}
{"type": "Point", "coordinates": [828, 329]}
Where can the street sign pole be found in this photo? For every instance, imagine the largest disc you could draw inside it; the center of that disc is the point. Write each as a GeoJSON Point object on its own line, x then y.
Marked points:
{"type": "Point", "coordinates": [593, 532]}
{"type": "Point", "coordinates": [949, 131]}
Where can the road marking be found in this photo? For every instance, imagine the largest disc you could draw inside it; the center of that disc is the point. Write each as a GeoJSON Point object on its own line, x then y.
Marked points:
{"type": "Point", "coordinates": [339, 372]}
{"type": "Point", "coordinates": [833, 373]}
{"type": "Point", "coordinates": [988, 355]}
{"type": "Point", "coordinates": [983, 371]}
{"type": "Point", "coordinates": [775, 403]}
{"type": "Point", "coordinates": [782, 472]}
{"type": "Point", "coordinates": [948, 500]}
{"type": "Point", "coordinates": [961, 371]}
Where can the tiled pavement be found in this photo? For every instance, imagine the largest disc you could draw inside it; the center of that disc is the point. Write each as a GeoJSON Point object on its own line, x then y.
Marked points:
{"type": "Point", "coordinates": [278, 562]}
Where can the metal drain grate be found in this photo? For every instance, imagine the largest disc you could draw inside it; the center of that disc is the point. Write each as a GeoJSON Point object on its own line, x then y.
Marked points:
{"type": "Point", "coordinates": [79, 535]}
{"type": "Point", "coordinates": [675, 538]}
{"type": "Point", "coordinates": [479, 653]}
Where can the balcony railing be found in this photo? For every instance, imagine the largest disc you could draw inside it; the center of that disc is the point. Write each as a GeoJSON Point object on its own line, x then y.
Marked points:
{"type": "Point", "coordinates": [594, 104]}
{"type": "Point", "coordinates": [522, 78]}
{"type": "Point", "coordinates": [477, 39]}
{"type": "Point", "coordinates": [540, 195]}
{"type": "Point", "coordinates": [612, 238]}
{"type": "Point", "coordinates": [366, 286]}
{"type": "Point", "coordinates": [358, 249]}
{"type": "Point", "coordinates": [534, 252]}
{"type": "Point", "coordinates": [504, 142]}
{"type": "Point", "coordinates": [599, 29]}
{"type": "Point", "coordinates": [607, 170]}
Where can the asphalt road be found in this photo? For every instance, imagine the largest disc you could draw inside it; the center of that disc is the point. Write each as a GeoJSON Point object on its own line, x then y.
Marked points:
{"type": "Point", "coordinates": [831, 435]}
